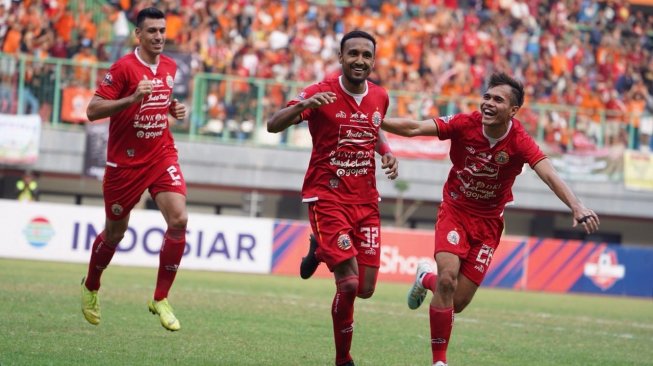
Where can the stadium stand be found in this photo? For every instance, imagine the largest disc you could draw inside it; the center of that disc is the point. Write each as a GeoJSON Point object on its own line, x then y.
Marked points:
{"type": "Point", "coordinates": [595, 55]}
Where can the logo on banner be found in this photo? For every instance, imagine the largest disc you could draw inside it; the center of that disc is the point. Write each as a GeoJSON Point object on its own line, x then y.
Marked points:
{"type": "Point", "coordinates": [604, 269]}
{"type": "Point", "coordinates": [38, 232]}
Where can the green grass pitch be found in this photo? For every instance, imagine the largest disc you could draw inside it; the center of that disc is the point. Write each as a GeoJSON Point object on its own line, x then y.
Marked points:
{"type": "Point", "coordinates": [238, 319]}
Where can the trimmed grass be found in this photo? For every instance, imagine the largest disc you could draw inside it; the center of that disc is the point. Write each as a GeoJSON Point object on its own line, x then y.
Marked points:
{"type": "Point", "coordinates": [240, 319]}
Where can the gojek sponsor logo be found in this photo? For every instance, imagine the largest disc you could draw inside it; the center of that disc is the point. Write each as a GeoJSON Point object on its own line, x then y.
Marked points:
{"type": "Point", "coordinates": [38, 232]}
{"type": "Point", "coordinates": [604, 269]}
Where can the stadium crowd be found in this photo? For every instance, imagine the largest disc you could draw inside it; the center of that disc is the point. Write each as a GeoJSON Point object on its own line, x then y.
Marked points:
{"type": "Point", "coordinates": [595, 55]}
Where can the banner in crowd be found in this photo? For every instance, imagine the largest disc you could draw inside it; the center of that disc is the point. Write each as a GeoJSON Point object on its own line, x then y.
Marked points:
{"type": "Point", "coordinates": [638, 170]}
{"type": "Point", "coordinates": [95, 154]}
{"type": "Point", "coordinates": [419, 147]}
{"type": "Point", "coordinates": [594, 165]}
{"type": "Point", "coordinates": [55, 232]}
{"type": "Point", "coordinates": [20, 137]}
{"type": "Point", "coordinates": [75, 99]}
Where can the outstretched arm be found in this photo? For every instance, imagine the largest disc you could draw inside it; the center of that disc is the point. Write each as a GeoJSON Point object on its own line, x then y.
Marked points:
{"type": "Point", "coordinates": [409, 127]}
{"type": "Point", "coordinates": [388, 160]}
{"type": "Point", "coordinates": [582, 215]}
{"type": "Point", "coordinates": [290, 115]}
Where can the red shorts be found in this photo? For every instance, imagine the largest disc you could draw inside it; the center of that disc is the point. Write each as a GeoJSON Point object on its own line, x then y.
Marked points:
{"type": "Point", "coordinates": [123, 187]}
{"type": "Point", "coordinates": [472, 238]}
{"type": "Point", "coordinates": [345, 231]}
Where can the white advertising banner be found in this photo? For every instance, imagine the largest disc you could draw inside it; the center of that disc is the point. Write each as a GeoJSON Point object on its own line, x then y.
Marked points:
{"type": "Point", "coordinates": [19, 138]}
{"type": "Point", "coordinates": [47, 231]}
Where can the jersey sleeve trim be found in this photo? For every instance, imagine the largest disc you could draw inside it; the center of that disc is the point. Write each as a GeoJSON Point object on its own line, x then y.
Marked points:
{"type": "Point", "coordinates": [538, 161]}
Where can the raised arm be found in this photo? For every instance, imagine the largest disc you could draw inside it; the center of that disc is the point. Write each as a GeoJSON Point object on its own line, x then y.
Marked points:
{"type": "Point", "coordinates": [581, 214]}
{"type": "Point", "coordinates": [290, 115]}
{"type": "Point", "coordinates": [410, 127]}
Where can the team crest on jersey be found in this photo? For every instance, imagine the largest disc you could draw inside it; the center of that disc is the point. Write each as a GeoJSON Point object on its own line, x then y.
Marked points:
{"type": "Point", "coordinates": [108, 79]}
{"type": "Point", "coordinates": [501, 157]}
{"type": "Point", "coordinates": [344, 242]}
{"type": "Point", "coordinates": [341, 114]}
{"type": "Point", "coordinates": [170, 81]}
{"type": "Point", "coordinates": [446, 119]}
{"type": "Point", "coordinates": [376, 118]}
{"type": "Point", "coordinates": [334, 182]}
{"type": "Point", "coordinates": [116, 209]}
{"type": "Point", "coordinates": [453, 237]}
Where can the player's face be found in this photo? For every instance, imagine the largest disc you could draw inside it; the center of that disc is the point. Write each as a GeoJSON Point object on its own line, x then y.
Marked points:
{"type": "Point", "coordinates": [357, 59]}
{"type": "Point", "coordinates": [152, 35]}
{"type": "Point", "coordinates": [496, 107]}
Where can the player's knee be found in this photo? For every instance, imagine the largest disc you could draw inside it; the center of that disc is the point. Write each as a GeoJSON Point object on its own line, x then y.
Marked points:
{"type": "Point", "coordinates": [178, 221]}
{"type": "Point", "coordinates": [447, 282]}
{"type": "Point", "coordinates": [365, 292]}
{"type": "Point", "coordinates": [348, 284]}
{"type": "Point", "coordinates": [113, 238]}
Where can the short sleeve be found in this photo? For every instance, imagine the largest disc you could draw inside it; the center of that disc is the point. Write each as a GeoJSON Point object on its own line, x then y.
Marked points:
{"type": "Point", "coordinates": [532, 152]}
{"type": "Point", "coordinates": [112, 84]}
{"type": "Point", "coordinates": [305, 94]}
{"type": "Point", "coordinates": [449, 125]}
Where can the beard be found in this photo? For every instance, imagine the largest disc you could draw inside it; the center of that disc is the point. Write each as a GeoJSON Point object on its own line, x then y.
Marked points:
{"type": "Point", "coordinates": [355, 81]}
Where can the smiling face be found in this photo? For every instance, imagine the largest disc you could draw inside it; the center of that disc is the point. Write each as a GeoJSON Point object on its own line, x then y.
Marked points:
{"type": "Point", "coordinates": [152, 37]}
{"type": "Point", "coordinates": [497, 108]}
{"type": "Point", "coordinates": [357, 60]}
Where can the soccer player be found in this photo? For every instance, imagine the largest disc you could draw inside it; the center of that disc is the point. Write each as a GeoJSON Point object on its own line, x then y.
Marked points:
{"type": "Point", "coordinates": [488, 150]}
{"type": "Point", "coordinates": [136, 94]}
{"type": "Point", "coordinates": [344, 115]}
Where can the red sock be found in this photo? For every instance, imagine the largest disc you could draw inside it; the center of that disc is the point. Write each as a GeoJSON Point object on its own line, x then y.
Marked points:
{"type": "Point", "coordinates": [174, 243]}
{"type": "Point", "coordinates": [342, 313]}
{"type": "Point", "coordinates": [429, 281]}
{"type": "Point", "coordinates": [101, 255]}
{"type": "Point", "coordinates": [441, 325]}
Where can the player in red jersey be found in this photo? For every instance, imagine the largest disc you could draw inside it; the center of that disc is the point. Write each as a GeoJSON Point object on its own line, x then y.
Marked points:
{"type": "Point", "coordinates": [344, 115]}
{"type": "Point", "coordinates": [136, 94]}
{"type": "Point", "coordinates": [488, 150]}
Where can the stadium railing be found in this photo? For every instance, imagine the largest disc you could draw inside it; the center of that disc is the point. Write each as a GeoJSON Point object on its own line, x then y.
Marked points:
{"type": "Point", "coordinates": [232, 109]}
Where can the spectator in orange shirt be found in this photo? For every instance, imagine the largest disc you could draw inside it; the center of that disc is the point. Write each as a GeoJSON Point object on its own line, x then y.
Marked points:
{"type": "Point", "coordinates": [85, 58]}
{"type": "Point", "coordinates": [13, 38]}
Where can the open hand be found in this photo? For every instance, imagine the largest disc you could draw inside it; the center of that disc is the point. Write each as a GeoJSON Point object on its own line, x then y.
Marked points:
{"type": "Point", "coordinates": [391, 165]}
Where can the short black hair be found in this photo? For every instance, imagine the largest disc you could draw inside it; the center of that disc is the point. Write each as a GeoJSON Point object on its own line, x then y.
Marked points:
{"type": "Point", "coordinates": [357, 34]}
{"type": "Point", "coordinates": [151, 13]}
{"type": "Point", "coordinates": [517, 87]}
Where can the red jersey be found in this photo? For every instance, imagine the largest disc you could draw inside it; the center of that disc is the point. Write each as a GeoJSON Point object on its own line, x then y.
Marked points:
{"type": "Point", "coordinates": [484, 169]}
{"type": "Point", "coordinates": [139, 134]}
{"type": "Point", "coordinates": [344, 135]}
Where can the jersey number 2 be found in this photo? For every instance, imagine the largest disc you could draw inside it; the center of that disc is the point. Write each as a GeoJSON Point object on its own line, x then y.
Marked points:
{"type": "Point", "coordinates": [172, 170]}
